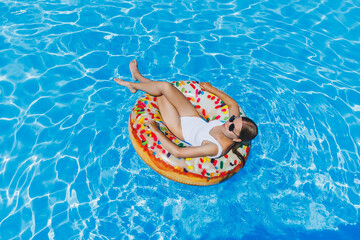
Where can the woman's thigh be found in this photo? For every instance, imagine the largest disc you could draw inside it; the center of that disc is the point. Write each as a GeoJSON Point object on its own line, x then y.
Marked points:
{"type": "Point", "coordinates": [172, 106]}
{"type": "Point", "coordinates": [181, 104]}
{"type": "Point", "coordinates": [170, 116]}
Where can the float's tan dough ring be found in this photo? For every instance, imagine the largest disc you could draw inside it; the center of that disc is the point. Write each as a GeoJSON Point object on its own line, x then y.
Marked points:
{"type": "Point", "coordinates": [194, 171]}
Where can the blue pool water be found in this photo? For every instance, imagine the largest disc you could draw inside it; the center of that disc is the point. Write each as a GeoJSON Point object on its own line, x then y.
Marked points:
{"type": "Point", "coordinates": [67, 166]}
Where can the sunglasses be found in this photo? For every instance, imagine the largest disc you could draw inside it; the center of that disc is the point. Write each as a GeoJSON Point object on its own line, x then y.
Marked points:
{"type": "Point", "coordinates": [232, 126]}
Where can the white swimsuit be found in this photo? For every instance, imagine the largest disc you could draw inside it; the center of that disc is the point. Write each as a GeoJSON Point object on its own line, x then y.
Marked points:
{"type": "Point", "coordinates": [195, 130]}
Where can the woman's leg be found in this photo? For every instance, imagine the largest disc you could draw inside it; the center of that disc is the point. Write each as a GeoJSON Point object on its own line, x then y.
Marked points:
{"type": "Point", "coordinates": [172, 94]}
{"type": "Point", "coordinates": [169, 112]}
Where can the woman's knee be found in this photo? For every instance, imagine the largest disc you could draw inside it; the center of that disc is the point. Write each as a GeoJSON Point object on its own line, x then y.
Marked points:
{"type": "Point", "coordinates": [167, 87]}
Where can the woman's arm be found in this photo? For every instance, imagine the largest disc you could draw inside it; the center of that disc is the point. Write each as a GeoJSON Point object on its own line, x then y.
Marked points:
{"type": "Point", "coordinates": [229, 101]}
{"type": "Point", "coordinates": [208, 149]}
{"type": "Point", "coordinates": [186, 152]}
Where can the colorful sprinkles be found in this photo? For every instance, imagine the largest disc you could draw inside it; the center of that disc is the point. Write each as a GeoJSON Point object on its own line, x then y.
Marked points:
{"type": "Point", "coordinates": [209, 107]}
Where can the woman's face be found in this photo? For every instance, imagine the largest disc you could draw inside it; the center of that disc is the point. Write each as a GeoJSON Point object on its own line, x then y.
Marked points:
{"type": "Point", "coordinates": [233, 131]}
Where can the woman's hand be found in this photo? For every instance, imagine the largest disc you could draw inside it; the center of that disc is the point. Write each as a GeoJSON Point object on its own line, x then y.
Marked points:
{"type": "Point", "coordinates": [164, 140]}
{"type": "Point", "coordinates": [232, 104]}
{"type": "Point", "coordinates": [206, 86]}
{"type": "Point", "coordinates": [153, 126]}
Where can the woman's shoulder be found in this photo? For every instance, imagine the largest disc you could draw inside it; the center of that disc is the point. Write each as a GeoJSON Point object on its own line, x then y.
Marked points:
{"type": "Point", "coordinates": [216, 122]}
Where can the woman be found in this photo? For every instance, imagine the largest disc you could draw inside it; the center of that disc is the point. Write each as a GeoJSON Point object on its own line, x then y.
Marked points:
{"type": "Point", "coordinates": [212, 139]}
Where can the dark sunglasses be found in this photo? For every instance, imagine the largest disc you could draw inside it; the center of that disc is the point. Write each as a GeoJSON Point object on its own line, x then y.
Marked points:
{"type": "Point", "coordinates": [232, 126]}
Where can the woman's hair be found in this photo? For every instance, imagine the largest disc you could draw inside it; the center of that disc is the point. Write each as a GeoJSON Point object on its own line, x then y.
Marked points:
{"type": "Point", "coordinates": [235, 150]}
{"type": "Point", "coordinates": [249, 130]}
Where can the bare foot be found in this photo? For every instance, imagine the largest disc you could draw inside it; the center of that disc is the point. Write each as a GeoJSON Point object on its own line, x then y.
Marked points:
{"type": "Point", "coordinates": [134, 69]}
{"type": "Point", "coordinates": [126, 84]}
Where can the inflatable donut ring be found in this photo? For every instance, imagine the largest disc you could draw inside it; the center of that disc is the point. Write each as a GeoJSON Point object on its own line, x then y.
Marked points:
{"type": "Point", "coordinates": [193, 171]}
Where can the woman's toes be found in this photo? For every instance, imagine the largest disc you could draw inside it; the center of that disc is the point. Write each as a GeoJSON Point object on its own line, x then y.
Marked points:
{"type": "Point", "coordinates": [126, 84]}
{"type": "Point", "coordinates": [119, 81]}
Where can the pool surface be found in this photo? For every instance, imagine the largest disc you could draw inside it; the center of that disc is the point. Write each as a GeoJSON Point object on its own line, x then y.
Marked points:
{"type": "Point", "coordinates": [67, 166]}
